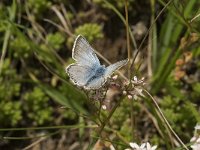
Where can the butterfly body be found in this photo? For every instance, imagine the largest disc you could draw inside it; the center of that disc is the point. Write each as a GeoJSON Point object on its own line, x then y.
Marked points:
{"type": "Point", "coordinates": [87, 72]}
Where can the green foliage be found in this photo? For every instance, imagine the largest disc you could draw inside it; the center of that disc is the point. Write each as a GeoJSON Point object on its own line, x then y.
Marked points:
{"type": "Point", "coordinates": [196, 93]}
{"type": "Point", "coordinates": [39, 6]}
{"type": "Point", "coordinates": [121, 115]}
{"type": "Point", "coordinates": [169, 48]}
{"type": "Point", "coordinates": [121, 120]}
{"type": "Point", "coordinates": [69, 114]}
{"type": "Point", "coordinates": [10, 106]}
{"type": "Point", "coordinates": [10, 112]}
{"type": "Point", "coordinates": [20, 48]}
{"type": "Point", "coordinates": [118, 3]}
{"type": "Point", "coordinates": [90, 31]}
{"type": "Point", "coordinates": [55, 40]}
{"type": "Point", "coordinates": [37, 107]}
{"type": "Point", "coordinates": [178, 113]}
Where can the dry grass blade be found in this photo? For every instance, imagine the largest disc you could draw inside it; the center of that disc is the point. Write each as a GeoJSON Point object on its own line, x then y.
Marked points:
{"type": "Point", "coordinates": [62, 19]}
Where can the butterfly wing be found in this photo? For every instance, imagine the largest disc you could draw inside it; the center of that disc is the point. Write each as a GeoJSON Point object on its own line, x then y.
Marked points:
{"type": "Point", "coordinates": [83, 53]}
{"type": "Point", "coordinates": [79, 74]}
{"type": "Point", "coordinates": [82, 73]}
{"type": "Point", "coordinates": [110, 69]}
{"type": "Point", "coordinates": [95, 83]}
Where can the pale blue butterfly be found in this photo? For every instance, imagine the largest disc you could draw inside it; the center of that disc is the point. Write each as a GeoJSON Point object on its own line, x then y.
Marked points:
{"type": "Point", "coordinates": [87, 72]}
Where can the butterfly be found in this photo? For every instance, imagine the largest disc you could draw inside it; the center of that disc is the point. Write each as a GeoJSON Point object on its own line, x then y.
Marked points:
{"type": "Point", "coordinates": [87, 72]}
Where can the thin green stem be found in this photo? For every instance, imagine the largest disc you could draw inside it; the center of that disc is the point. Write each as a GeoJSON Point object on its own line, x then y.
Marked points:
{"type": "Point", "coordinates": [123, 20]}
{"type": "Point", "coordinates": [127, 37]}
{"type": "Point", "coordinates": [165, 120]}
{"type": "Point", "coordinates": [27, 138]}
{"type": "Point", "coordinates": [109, 116]}
{"type": "Point", "coordinates": [129, 63]}
{"type": "Point", "coordinates": [4, 48]}
{"type": "Point", "coordinates": [143, 40]}
{"type": "Point", "coordinates": [7, 34]}
{"type": "Point", "coordinates": [48, 128]}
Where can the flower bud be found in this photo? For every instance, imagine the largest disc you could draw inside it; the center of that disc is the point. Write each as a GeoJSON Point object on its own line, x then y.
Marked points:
{"type": "Point", "coordinates": [124, 92]}
{"type": "Point", "coordinates": [130, 96]}
{"type": "Point", "coordinates": [104, 107]}
{"type": "Point", "coordinates": [115, 77]}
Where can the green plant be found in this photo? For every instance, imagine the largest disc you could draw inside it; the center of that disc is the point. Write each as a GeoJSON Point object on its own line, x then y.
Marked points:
{"type": "Point", "coordinates": [55, 40]}
{"type": "Point", "coordinates": [37, 108]}
{"type": "Point", "coordinates": [90, 31]}
{"type": "Point", "coordinates": [39, 6]}
{"type": "Point", "coordinates": [10, 104]}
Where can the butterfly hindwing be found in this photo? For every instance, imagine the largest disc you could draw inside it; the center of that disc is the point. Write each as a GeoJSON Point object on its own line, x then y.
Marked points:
{"type": "Point", "coordinates": [100, 81]}
{"type": "Point", "coordinates": [79, 74]}
{"type": "Point", "coordinates": [110, 69]}
{"type": "Point", "coordinates": [95, 83]}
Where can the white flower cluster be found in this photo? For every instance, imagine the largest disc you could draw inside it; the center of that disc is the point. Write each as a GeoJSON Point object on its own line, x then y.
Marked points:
{"type": "Point", "coordinates": [196, 139]}
{"type": "Point", "coordinates": [143, 146]}
{"type": "Point", "coordinates": [136, 88]}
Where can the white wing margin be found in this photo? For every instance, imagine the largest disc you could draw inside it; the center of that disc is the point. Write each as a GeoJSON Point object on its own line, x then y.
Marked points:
{"type": "Point", "coordinates": [110, 69]}
{"type": "Point", "coordinates": [83, 53]}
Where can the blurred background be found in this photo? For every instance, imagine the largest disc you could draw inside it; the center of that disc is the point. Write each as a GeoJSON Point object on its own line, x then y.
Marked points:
{"type": "Point", "coordinates": [36, 39]}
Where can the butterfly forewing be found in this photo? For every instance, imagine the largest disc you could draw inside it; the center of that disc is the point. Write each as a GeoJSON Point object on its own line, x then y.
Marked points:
{"type": "Point", "coordinates": [110, 69]}
{"type": "Point", "coordinates": [83, 53]}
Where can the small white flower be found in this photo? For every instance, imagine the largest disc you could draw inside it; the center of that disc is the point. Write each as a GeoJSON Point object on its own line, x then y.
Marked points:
{"type": "Point", "coordinates": [135, 78]}
{"type": "Point", "coordinates": [148, 146]}
{"type": "Point", "coordinates": [112, 147]}
{"type": "Point", "coordinates": [143, 146]}
{"type": "Point", "coordinates": [136, 81]}
{"type": "Point", "coordinates": [130, 97]}
{"type": "Point", "coordinates": [134, 145]}
{"type": "Point", "coordinates": [115, 77]}
{"type": "Point", "coordinates": [104, 107]}
{"type": "Point", "coordinates": [124, 92]}
{"type": "Point", "coordinates": [196, 145]}
{"type": "Point", "coordinates": [196, 139]}
{"type": "Point", "coordinates": [135, 97]}
{"type": "Point", "coordinates": [139, 91]}
{"type": "Point", "coordinates": [197, 127]}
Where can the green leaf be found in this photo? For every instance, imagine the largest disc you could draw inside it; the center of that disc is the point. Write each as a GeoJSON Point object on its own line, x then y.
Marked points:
{"type": "Point", "coordinates": [70, 102]}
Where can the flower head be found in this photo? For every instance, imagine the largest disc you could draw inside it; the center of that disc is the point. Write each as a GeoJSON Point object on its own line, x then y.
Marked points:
{"type": "Point", "coordinates": [134, 88]}
{"type": "Point", "coordinates": [130, 96]}
{"type": "Point", "coordinates": [196, 139]}
{"type": "Point", "coordinates": [196, 143]}
{"type": "Point", "coordinates": [115, 77]}
{"type": "Point", "coordinates": [197, 127]}
{"type": "Point", "coordinates": [143, 146]}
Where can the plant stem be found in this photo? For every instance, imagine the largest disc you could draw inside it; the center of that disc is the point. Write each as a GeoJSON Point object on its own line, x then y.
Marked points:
{"type": "Point", "coordinates": [165, 120]}
{"type": "Point", "coordinates": [129, 63]}
{"type": "Point", "coordinates": [109, 116]}
{"type": "Point", "coordinates": [128, 38]}
{"type": "Point", "coordinates": [143, 40]}
{"type": "Point", "coordinates": [7, 34]}
{"type": "Point", "coordinates": [5, 45]}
